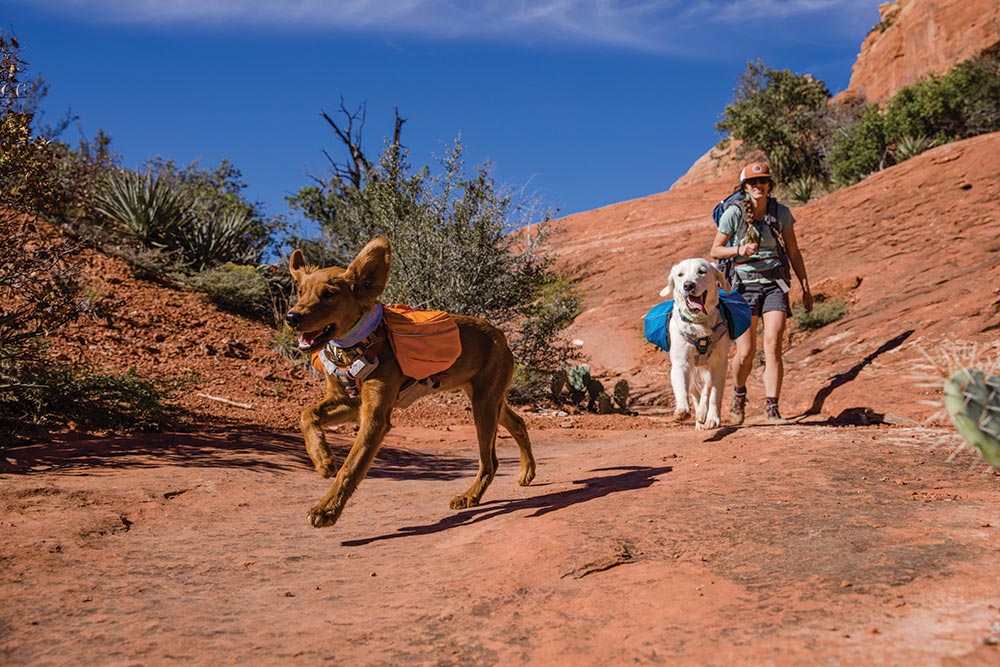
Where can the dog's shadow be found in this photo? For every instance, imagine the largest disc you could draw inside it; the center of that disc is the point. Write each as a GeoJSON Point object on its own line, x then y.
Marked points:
{"type": "Point", "coordinates": [633, 478]}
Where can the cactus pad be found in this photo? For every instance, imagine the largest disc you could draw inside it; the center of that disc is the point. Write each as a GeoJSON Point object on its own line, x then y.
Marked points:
{"type": "Point", "coordinates": [972, 398]}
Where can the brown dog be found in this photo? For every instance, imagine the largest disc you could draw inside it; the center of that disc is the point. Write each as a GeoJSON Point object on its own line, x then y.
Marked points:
{"type": "Point", "coordinates": [330, 302]}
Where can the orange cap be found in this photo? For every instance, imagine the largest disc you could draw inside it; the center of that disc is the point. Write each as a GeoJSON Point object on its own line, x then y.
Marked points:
{"type": "Point", "coordinates": [755, 170]}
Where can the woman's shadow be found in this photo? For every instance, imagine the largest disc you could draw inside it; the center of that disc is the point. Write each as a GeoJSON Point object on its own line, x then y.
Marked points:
{"type": "Point", "coordinates": [634, 477]}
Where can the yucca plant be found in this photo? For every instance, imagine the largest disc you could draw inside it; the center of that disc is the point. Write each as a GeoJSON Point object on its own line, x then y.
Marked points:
{"type": "Point", "coordinates": [972, 398]}
{"type": "Point", "coordinates": [143, 207]}
{"type": "Point", "coordinates": [218, 237]}
{"type": "Point", "coordinates": [911, 146]}
{"type": "Point", "coordinates": [802, 189]}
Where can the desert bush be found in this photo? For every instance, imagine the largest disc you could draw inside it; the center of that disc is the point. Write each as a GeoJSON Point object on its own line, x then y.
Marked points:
{"type": "Point", "coordinates": [194, 218]}
{"type": "Point", "coordinates": [91, 400]}
{"type": "Point", "coordinates": [824, 312]}
{"type": "Point", "coordinates": [962, 103]}
{"type": "Point", "coordinates": [223, 226]}
{"type": "Point", "coordinates": [783, 114]}
{"type": "Point", "coordinates": [38, 286]}
{"type": "Point", "coordinates": [204, 241]}
{"type": "Point", "coordinates": [236, 288]}
{"type": "Point", "coordinates": [860, 149]}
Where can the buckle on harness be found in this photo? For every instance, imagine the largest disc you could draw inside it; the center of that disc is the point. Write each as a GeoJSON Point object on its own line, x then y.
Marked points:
{"type": "Point", "coordinates": [702, 344]}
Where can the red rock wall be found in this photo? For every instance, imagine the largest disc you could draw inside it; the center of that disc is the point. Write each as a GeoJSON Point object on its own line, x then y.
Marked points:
{"type": "Point", "coordinates": [917, 38]}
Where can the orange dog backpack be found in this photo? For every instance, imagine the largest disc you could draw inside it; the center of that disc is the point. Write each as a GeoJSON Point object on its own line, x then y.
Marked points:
{"type": "Point", "coordinates": [426, 342]}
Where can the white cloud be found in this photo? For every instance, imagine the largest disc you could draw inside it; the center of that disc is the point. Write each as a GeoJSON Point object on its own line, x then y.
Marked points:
{"type": "Point", "coordinates": [648, 25]}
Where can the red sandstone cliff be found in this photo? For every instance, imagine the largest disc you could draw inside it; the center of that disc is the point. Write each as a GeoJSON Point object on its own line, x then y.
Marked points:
{"type": "Point", "coordinates": [916, 38]}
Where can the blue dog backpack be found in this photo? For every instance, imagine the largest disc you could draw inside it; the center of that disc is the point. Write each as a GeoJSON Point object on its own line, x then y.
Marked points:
{"type": "Point", "coordinates": [735, 311]}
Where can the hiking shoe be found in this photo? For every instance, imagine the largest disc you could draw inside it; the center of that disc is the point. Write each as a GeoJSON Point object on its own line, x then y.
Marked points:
{"type": "Point", "coordinates": [738, 409]}
{"type": "Point", "coordinates": [772, 415]}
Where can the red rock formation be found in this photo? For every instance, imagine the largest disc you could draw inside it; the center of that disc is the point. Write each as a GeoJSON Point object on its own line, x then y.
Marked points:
{"type": "Point", "coordinates": [916, 38]}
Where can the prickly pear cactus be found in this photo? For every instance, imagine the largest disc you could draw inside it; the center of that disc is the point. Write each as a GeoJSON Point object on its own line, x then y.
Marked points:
{"type": "Point", "coordinates": [604, 406]}
{"type": "Point", "coordinates": [579, 378]}
{"type": "Point", "coordinates": [972, 398]}
{"type": "Point", "coordinates": [621, 394]}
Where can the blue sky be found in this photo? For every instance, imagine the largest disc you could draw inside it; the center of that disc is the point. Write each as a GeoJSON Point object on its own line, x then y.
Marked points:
{"type": "Point", "coordinates": [583, 104]}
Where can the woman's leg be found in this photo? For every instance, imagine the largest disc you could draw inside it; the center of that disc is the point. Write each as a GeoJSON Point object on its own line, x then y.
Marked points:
{"type": "Point", "coordinates": [742, 362]}
{"type": "Point", "coordinates": [774, 368]}
{"type": "Point", "coordinates": [741, 366]}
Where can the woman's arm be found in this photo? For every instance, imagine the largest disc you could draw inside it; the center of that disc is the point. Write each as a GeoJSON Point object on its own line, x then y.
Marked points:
{"type": "Point", "coordinates": [795, 258]}
{"type": "Point", "coordinates": [721, 251]}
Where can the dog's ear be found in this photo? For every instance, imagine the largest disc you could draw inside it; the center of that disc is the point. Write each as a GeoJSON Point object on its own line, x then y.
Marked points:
{"type": "Point", "coordinates": [668, 291]}
{"type": "Point", "coordinates": [723, 283]}
{"type": "Point", "coordinates": [369, 272]}
{"type": "Point", "coordinates": [297, 265]}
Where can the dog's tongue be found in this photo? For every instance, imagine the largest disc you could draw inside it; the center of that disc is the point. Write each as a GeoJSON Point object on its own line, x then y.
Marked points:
{"type": "Point", "coordinates": [696, 302]}
{"type": "Point", "coordinates": [307, 338]}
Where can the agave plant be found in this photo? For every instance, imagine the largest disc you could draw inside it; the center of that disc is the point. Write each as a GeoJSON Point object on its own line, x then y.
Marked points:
{"type": "Point", "coordinates": [911, 146]}
{"type": "Point", "coordinates": [803, 189]}
{"type": "Point", "coordinates": [217, 237]}
{"type": "Point", "coordinates": [143, 207]}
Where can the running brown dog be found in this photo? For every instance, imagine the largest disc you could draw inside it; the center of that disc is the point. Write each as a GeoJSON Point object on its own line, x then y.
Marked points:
{"type": "Point", "coordinates": [330, 302]}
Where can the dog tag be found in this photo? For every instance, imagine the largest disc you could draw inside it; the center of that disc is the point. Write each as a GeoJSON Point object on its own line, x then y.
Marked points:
{"type": "Point", "coordinates": [783, 285]}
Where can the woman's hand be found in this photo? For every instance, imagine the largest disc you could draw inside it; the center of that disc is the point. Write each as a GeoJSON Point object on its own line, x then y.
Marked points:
{"type": "Point", "coordinates": [746, 250]}
{"type": "Point", "coordinates": [807, 300]}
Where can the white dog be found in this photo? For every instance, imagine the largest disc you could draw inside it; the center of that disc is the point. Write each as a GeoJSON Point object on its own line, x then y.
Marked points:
{"type": "Point", "coordinates": [699, 340]}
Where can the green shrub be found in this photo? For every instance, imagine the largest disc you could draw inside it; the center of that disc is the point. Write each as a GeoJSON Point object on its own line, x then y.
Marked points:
{"type": "Point", "coordinates": [824, 312]}
{"type": "Point", "coordinates": [860, 149]}
{"type": "Point", "coordinates": [58, 395]}
{"type": "Point", "coordinates": [237, 288]}
{"type": "Point", "coordinates": [963, 103]}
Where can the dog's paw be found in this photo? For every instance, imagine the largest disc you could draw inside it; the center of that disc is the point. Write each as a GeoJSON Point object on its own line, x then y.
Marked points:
{"type": "Point", "coordinates": [682, 415]}
{"type": "Point", "coordinates": [321, 517]}
{"type": "Point", "coordinates": [707, 425]}
{"type": "Point", "coordinates": [461, 502]}
{"type": "Point", "coordinates": [526, 477]}
{"type": "Point", "coordinates": [327, 469]}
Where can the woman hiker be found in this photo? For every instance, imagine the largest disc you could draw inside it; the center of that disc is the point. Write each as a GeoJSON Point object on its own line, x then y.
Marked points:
{"type": "Point", "coordinates": [761, 251]}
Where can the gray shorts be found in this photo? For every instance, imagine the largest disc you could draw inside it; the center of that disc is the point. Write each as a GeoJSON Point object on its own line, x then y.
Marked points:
{"type": "Point", "coordinates": [764, 297]}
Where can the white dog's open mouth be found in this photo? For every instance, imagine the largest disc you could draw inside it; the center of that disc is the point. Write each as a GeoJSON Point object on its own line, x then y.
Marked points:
{"type": "Point", "coordinates": [310, 340]}
{"type": "Point", "coordinates": [695, 302]}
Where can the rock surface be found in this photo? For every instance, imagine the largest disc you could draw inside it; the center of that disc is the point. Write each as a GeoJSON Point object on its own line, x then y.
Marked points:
{"type": "Point", "coordinates": [917, 38]}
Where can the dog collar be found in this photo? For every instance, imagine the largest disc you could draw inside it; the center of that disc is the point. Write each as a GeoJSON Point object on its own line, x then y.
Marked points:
{"type": "Point", "coordinates": [363, 328]}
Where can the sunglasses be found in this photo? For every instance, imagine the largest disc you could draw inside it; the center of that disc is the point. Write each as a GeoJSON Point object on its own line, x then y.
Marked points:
{"type": "Point", "coordinates": [758, 181]}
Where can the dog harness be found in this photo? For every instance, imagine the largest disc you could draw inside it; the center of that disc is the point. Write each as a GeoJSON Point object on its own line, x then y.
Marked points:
{"type": "Point", "coordinates": [354, 357]}
{"type": "Point", "coordinates": [703, 343]}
